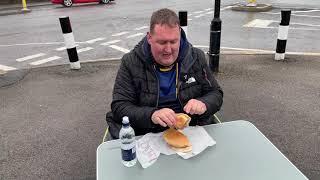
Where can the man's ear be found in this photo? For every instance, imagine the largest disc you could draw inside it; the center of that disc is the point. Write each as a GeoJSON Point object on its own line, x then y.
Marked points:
{"type": "Point", "coordinates": [149, 37]}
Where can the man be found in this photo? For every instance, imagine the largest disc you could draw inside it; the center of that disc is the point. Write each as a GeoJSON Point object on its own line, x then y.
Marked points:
{"type": "Point", "coordinates": [161, 76]}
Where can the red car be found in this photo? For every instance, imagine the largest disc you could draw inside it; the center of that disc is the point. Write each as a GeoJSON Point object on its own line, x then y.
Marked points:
{"type": "Point", "coordinates": [69, 3]}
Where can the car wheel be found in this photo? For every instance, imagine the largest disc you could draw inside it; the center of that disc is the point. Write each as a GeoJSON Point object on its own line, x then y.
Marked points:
{"type": "Point", "coordinates": [105, 1]}
{"type": "Point", "coordinates": [67, 3]}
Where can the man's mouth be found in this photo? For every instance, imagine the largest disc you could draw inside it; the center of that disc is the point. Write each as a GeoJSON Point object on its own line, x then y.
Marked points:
{"type": "Point", "coordinates": [166, 55]}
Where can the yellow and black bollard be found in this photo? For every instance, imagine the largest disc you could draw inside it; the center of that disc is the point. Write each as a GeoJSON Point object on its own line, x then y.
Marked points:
{"type": "Point", "coordinates": [24, 6]}
{"type": "Point", "coordinates": [252, 3]}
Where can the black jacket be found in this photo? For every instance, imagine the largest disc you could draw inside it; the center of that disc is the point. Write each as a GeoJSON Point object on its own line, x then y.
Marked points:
{"type": "Point", "coordinates": [136, 89]}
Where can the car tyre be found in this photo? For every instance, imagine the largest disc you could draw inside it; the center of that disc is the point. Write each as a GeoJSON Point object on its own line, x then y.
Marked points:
{"type": "Point", "coordinates": [104, 1]}
{"type": "Point", "coordinates": [67, 3]}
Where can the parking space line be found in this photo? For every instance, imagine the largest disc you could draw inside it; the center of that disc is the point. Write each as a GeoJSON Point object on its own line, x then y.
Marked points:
{"type": "Point", "coordinates": [121, 33]}
{"type": "Point", "coordinates": [120, 48]}
{"type": "Point", "coordinates": [197, 12]}
{"type": "Point", "coordinates": [260, 23]}
{"type": "Point", "coordinates": [209, 12]}
{"type": "Point", "coordinates": [30, 57]}
{"type": "Point", "coordinates": [298, 15]}
{"type": "Point", "coordinates": [110, 42]}
{"type": "Point", "coordinates": [35, 63]}
{"type": "Point", "coordinates": [199, 15]}
{"type": "Point", "coordinates": [84, 49]}
{"type": "Point", "coordinates": [63, 48]}
{"type": "Point", "coordinates": [208, 9]}
{"type": "Point", "coordinates": [95, 40]}
{"type": "Point", "coordinates": [135, 35]}
{"type": "Point", "coordinates": [7, 68]}
{"type": "Point", "coordinates": [142, 27]}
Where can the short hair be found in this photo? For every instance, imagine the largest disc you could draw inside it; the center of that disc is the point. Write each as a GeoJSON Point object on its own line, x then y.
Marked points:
{"type": "Point", "coordinates": [164, 16]}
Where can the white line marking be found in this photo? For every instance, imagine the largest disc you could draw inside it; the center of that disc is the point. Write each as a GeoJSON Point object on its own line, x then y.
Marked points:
{"type": "Point", "coordinates": [84, 49]}
{"type": "Point", "coordinates": [189, 19]}
{"type": "Point", "coordinates": [307, 11]}
{"type": "Point", "coordinates": [225, 8]}
{"type": "Point", "coordinates": [25, 44]}
{"type": "Point", "coordinates": [197, 12]}
{"type": "Point", "coordinates": [35, 63]}
{"type": "Point", "coordinates": [199, 15]}
{"type": "Point", "coordinates": [30, 57]}
{"type": "Point", "coordinates": [121, 33]}
{"type": "Point", "coordinates": [302, 24]}
{"type": "Point", "coordinates": [260, 51]}
{"type": "Point", "coordinates": [298, 15]}
{"type": "Point", "coordinates": [63, 48]}
{"type": "Point", "coordinates": [95, 40]}
{"type": "Point", "coordinates": [210, 12]}
{"type": "Point", "coordinates": [135, 35]}
{"type": "Point", "coordinates": [7, 68]}
{"type": "Point", "coordinates": [208, 9]}
{"type": "Point", "coordinates": [120, 48]}
{"type": "Point", "coordinates": [142, 27]}
{"type": "Point", "coordinates": [292, 28]}
{"type": "Point", "coordinates": [260, 23]}
{"type": "Point", "coordinates": [190, 14]}
{"type": "Point", "coordinates": [110, 42]}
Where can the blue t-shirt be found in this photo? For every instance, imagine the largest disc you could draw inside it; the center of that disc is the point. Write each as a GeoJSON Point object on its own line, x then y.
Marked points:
{"type": "Point", "coordinates": [167, 95]}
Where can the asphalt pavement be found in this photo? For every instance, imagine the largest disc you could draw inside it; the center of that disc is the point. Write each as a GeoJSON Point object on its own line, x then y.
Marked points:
{"type": "Point", "coordinates": [53, 118]}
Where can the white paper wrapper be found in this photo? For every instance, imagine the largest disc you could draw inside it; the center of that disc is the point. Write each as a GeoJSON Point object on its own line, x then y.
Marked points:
{"type": "Point", "coordinates": [151, 145]}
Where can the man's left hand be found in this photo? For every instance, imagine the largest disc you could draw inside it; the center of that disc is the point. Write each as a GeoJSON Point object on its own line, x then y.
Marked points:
{"type": "Point", "coordinates": [195, 107]}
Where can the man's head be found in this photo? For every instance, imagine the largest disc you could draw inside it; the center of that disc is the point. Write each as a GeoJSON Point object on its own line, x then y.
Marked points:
{"type": "Point", "coordinates": [164, 36]}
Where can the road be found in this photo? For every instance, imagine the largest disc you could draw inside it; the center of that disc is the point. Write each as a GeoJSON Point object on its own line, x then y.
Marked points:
{"type": "Point", "coordinates": [108, 31]}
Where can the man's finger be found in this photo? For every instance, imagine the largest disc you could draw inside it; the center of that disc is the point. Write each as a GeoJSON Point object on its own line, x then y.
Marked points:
{"type": "Point", "coordinates": [163, 124]}
{"type": "Point", "coordinates": [187, 108]}
{"type": "Point", "coordinates": [166, 120]}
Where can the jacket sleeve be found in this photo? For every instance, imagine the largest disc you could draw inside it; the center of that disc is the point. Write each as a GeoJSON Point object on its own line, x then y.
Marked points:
{"type": "Point", "coordinates": [125, 98]}
{"type": "Point", "coordinates": [212, 93]}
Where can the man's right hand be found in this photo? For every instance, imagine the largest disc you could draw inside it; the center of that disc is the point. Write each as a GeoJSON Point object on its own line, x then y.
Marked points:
{"type": "Point", "coordinates": [165, 117]}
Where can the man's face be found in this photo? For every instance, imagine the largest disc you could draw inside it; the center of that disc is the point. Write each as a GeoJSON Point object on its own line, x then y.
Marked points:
{"type": "Point", "coordinates": [165, 43]}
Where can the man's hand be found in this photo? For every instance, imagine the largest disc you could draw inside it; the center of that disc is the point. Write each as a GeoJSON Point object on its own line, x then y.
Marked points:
{"type": "Point", "coordinates": [195, 107]}
{"type": "Point", "coordinates": [165, 117]}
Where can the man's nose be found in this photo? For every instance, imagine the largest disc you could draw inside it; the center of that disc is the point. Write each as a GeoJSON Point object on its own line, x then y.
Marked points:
{"type": "Point", "coordinates": [167, 48]}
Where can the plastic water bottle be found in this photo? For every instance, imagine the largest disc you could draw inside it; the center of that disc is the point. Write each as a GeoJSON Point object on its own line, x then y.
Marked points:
{"type": "Point", "coordinates": [128, 143]}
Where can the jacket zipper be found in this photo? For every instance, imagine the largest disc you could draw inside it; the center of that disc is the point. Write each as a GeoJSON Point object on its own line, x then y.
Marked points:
{"type": "Point", "coordinates": [154, 71]}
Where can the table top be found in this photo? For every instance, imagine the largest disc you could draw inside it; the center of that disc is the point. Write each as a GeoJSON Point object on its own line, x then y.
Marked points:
{"type": "Point", "coordinates": [242, 152]}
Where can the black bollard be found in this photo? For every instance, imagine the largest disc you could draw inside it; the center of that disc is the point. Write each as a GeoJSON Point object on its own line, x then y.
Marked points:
{"type": "Point", "coordinates": [183, 17]}
{"type": "Point", "coordinates": [215, 38]}
{"type": "Point", "coordinates": [282, 35]}
{"type": "Point", "coordinates": [69, 42]}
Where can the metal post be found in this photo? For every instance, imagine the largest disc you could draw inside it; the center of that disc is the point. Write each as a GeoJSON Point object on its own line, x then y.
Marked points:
{"type": "Point", "coordinates": [69, 42]}
{"type": "Point", "coordinates": [183, 17]}
{"type": "Point", "coordinates": [215, 38]}
{"type": "Point", "coordinates": [282, 35]}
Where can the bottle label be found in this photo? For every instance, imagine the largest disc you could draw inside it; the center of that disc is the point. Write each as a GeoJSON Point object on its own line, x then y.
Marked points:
{"type": "Point", "coordinates": [129, 154]}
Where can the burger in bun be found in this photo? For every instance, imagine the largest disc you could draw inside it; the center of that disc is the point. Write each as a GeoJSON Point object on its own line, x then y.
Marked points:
{"type": "Point", "coordinates": [177, 140]}
{"type": "Point", "coordinates": [182, 120]}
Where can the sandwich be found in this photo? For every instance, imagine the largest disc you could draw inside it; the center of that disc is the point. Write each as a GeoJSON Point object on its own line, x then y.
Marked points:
{"type": "Point", "coordinates": [177, 140]}
{"type": "Point", "coordinates": [182, 120]}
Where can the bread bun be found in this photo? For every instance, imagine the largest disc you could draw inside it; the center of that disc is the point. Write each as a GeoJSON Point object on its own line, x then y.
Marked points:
{"type": "Point", "coordinates": [177, 140]}
{"type": "Point", "coordinates": [182, 120]}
